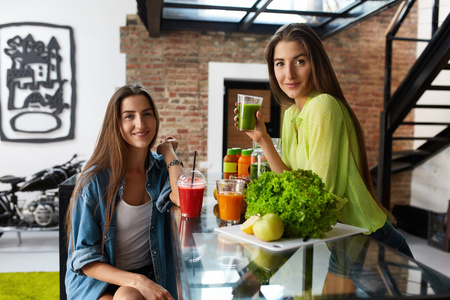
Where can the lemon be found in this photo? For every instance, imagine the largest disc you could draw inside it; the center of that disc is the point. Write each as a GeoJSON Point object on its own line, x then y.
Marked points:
{"type": "Point", "coordinates": [215, 193]}
{"type": "Point", "coordinates": [247, 226]}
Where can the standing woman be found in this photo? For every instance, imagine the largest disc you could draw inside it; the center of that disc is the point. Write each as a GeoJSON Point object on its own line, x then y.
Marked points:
{"type": "Point", "coordinates": [115, 224]}
{"type": "Point", "coordinates": [320, 131]}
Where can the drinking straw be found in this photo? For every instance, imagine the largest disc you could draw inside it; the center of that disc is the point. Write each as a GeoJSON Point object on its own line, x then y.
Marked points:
{"type": "Point", "coordinates": [193, 168]}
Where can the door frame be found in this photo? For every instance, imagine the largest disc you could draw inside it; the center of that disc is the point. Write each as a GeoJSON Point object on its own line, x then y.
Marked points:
{"type": "Point", "coordinates": [275, 110]}
{"type": "Point", "coordinates": [218, 72]}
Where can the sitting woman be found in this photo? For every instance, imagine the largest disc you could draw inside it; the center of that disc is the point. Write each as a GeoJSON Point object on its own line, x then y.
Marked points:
{"type": "Point", "coordinates": [116, 220]}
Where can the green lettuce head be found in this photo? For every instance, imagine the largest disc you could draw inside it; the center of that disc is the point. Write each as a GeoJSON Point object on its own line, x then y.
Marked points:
{"type": "Point", "coordinates": [298, 197]}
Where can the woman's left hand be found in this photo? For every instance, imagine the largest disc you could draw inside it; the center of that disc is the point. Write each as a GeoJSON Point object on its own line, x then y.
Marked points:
{"type": "Point", "coordinates": [168, 143]}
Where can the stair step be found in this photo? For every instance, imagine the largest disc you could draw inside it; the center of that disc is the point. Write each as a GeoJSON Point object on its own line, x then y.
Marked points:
{"type": "Point", "coordinates": [426, 123]}
{"type": "Point", "coordinates": [439, 88]}
{"type": "Point", "coordinates": [430, 139]}
{"type": "Point", "coordinates": [396, 38]}
{"type": "Point", "coordinates": [416, 152]}
{"type": "Point", "coordinates": [396, 167]}
{"type": "Point", "coordinates": [432, 106]}
{"type": "Point", "coordinates": [400, 166]}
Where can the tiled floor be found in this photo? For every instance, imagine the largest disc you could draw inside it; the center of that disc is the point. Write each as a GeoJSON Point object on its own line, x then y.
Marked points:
{"type": "Point", "coordinates": [39, 252]}
{"type": "Point", "coordinates": [429, 256]}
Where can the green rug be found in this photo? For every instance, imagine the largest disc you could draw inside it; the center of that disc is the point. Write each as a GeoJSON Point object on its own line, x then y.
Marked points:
{"type": "Point", "coordinates": [33, 285]}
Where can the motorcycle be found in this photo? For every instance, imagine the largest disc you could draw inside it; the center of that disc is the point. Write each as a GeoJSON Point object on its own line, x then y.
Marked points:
{"type": "Point", "coordinates": [41, 212]}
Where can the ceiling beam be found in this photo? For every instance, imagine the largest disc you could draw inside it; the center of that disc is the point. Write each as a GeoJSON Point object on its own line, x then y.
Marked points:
{"type": "Point", "coordinates": [325, 31]}
{"type": "Point", "coordinates": [259, 7]}
{"type": "Point", "coordinates": [154, 16]}
{"type": "Point", "coordinates": [215, 26]}
{"type": "Point", "coordinates": [203, 6]}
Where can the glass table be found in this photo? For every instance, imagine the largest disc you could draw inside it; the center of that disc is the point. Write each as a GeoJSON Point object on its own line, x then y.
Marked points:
{"type": "Point", "coordinates": [213, 266]}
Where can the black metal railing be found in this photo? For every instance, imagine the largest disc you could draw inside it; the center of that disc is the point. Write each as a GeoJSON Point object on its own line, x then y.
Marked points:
{"type": "Point", "coordinates": [419, 79]}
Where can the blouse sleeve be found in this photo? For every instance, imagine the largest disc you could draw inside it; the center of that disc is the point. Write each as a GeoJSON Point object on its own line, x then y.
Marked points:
{"type": "Point", "coordinates": [86, 236]}
{"type": "Point", "coordinates": [163, 200]}
{"type": "Point", "coordinates": [326, 144]}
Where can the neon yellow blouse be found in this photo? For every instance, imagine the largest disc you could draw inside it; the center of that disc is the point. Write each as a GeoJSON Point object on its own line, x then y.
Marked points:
{"type": "Point", "coordinates": [317, 139]}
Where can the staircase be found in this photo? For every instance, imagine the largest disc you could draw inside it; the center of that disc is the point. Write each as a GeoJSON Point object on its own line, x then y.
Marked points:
{"type": "Point", "coordinates": [433, 60]}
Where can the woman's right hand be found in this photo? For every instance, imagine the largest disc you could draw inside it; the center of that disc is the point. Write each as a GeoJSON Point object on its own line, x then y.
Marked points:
{"type": "Point", "coordinates": [126, 281]}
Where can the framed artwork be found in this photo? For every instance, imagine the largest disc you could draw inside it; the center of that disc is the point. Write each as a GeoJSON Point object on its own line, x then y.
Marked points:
{"type": "Point", "coordinates": [37, 83]}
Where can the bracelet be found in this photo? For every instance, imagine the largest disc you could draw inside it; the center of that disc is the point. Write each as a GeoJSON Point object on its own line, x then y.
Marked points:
{"type": "Point", "coordinates": [175, 162]}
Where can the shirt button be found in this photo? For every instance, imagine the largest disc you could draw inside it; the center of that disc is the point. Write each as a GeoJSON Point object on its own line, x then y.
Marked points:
{"type": "Point", "coordinates": [148, 184]}
{"type": "Point", "coordinates": [153, 227]}
{"type": "Point", "coordinates": [155, 252]}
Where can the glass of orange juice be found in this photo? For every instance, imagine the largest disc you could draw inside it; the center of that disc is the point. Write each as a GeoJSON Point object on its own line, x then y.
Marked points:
{"type": "Point", "coordinates": [230, 195]}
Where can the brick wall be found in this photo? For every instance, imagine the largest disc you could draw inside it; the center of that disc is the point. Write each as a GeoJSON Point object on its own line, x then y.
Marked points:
{"type": "Point", "coordinates": [174, 67]}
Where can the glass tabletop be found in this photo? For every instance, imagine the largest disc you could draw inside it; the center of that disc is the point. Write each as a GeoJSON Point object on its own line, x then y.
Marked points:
{"type": "Point", "coordinates": [214, 266]}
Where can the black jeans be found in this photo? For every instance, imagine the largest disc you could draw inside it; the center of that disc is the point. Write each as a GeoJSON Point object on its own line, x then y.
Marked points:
{"type": "Point", "coordinates": [390, 236]}
{"type": "Point", "coordinates": [147, 271]}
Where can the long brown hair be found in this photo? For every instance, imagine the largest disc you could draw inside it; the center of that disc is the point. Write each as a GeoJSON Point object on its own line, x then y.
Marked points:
{"type": "Point", "coordinates": [325, 81]}
{"type": "Point", "coordinates": [109, 154]}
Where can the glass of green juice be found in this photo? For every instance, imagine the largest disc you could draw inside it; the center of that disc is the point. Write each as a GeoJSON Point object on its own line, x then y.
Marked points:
{"type": "Point", "coordinates": [247, 108]}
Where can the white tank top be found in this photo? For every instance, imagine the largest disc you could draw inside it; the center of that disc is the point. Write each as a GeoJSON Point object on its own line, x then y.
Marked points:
{"type": "Point", "coordinates": [132, 239]}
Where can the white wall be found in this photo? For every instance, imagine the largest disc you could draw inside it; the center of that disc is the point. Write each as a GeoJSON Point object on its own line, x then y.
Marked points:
{"type": "Point", "coordinates": [100, 69]}
{"type": "Point", "coordinates": [429, 185]}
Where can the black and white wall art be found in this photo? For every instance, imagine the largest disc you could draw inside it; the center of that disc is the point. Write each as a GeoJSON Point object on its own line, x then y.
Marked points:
{"type": "Point", "coordinates": [37, 83]}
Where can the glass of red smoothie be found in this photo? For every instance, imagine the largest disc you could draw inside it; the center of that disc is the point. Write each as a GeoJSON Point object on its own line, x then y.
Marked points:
{"type": "Point", "coordinates": [191, 186]}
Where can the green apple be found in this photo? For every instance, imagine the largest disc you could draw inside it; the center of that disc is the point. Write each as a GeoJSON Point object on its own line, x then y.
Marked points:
{"type": "Point", "coordinates": [269, 227]}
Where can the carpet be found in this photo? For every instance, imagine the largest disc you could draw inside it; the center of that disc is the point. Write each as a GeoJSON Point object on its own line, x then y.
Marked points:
{"type": "Point", "coordinates": [33, 285]}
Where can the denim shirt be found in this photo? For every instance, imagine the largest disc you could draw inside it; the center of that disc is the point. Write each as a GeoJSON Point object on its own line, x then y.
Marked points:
{"type": "Point", "coordinates": [88, 221]}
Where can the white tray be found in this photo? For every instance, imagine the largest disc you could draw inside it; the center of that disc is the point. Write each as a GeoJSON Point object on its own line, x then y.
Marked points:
{"type": "Point", "coordinates": [338, 231]}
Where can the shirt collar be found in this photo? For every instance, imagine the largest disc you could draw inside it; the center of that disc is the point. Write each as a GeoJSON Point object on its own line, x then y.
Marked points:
{"type": "Point", "coordinates": [297, 116]}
